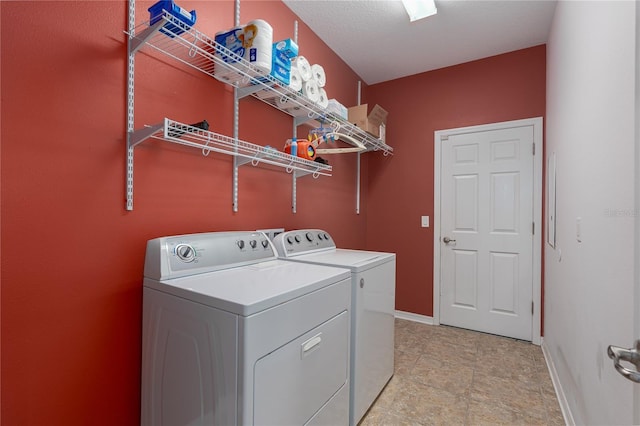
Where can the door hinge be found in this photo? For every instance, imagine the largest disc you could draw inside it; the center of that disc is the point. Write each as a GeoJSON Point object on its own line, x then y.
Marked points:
{"type": "Point", "coordinates": [534, 148]}
{"type": "Point", "coordinates": [533, 228]}
{"type": "Point", "coordinates": [532, 307]}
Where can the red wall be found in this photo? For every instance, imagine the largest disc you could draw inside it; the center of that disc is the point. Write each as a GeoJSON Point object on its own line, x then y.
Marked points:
{"type": "Point", "coordinates": [500, 88]}
{"type": "Point", "coordinates": [72, 256]}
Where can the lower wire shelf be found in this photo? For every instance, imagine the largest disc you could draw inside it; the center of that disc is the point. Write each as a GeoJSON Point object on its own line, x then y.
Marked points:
{"type": "Point", "coordinates": [244, 152]}
{"type": "Point", "coordinates": [185, 134]}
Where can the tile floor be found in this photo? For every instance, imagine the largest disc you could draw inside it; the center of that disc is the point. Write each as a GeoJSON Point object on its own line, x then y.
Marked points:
{"type": "Point", "coordinates": [450, 376]}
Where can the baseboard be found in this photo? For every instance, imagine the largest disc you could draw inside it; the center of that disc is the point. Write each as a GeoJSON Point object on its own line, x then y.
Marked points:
{"type": "Point", "coordinates": [562, 399]}
{"type": "Point", "coordinates": [409, 316]}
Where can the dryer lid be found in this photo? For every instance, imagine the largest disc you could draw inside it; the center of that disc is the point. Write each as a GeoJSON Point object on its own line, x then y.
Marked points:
{"type": "Point", "coordinates": [252, 288]}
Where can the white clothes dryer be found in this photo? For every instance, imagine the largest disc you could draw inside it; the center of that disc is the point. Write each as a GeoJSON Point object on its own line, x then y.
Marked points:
{"type": "Point", "coordinates": [234, 336]}
{"type": "Point", "coordinates": [373, 283]}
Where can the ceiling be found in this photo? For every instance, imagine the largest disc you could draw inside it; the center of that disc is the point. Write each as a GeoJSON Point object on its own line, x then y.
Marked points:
{"type": "Point", "coordinates": [376, 39]}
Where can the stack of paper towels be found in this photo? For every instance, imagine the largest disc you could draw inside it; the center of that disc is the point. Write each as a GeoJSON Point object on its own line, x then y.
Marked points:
{"type": "Point", "coordinates": [251, 42]}
{"type": "Point", "coordinates": [310, 80]}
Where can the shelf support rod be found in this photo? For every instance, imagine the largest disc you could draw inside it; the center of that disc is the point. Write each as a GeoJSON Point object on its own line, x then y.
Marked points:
{"type": "Point", "coordinates": [236, 132]}
{"type": "Point", "coordinates": [294, 195]}
{"type": "Point", "coordinates": [358, 160]}
{"type": "Point", "coordinates": [236, 120]}
{"type": "Point", "coordinates": [358, 185]}
{"type": "Point", "coordinates": [130, 109]}
{"type": "Point", "coordinates": [294, 185]}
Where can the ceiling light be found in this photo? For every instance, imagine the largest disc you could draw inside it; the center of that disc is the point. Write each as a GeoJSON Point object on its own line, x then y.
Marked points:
{"type": "Point", "coordinates": [418, 9]}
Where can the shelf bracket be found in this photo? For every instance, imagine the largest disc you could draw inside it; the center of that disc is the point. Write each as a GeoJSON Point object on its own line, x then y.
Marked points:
{"type": "Point", "coordinates": [301, 119]}
{"type": "Point", "coordinates": [137, 41]}
{"type": "Point", "coordinates": [138, 136]}
{"type": "Point", "coordinates": [242, 161]}
{"type": "Point", "coordinates": [243, 92]}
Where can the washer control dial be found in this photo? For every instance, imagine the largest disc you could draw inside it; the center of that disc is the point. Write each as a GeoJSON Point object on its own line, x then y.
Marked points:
{"type": "Point", "coordinates": [265, 243]}
{"type": "Point", "coordinates": [253, 243]}
{"type": "Point", "coordinates": [309, 236]}
{"type": "Point", "coordinates": [185, 252]}
{"type": "Point", "coordinates": [297, 238]}
{"type": "Point", "coordinates": [290, 239]}
{"type": "Point", "coordinates": [240, 244]}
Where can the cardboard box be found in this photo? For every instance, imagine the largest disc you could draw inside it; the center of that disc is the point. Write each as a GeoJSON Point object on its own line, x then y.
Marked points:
{"type": "Point", "coordinates": [371, 122]}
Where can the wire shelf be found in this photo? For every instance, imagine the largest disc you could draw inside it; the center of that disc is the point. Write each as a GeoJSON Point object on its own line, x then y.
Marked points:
{"type": "Point", "coordinates": [173, 38]}
{"type": "Point", "coordinates": [247, 153]}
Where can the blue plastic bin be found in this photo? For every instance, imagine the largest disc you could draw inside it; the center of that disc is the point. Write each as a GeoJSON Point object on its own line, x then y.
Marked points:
{"type": "Point", "coordinates": [188, 18]}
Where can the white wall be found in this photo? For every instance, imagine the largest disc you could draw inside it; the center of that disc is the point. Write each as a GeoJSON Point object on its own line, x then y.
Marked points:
{"type": "Point", "coordinates": [590, 123]}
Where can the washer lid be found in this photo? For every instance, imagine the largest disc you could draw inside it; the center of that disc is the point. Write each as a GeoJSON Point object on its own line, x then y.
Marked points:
{"type": "Point", "coordinates": [250, 289]}
{"type": "Point", "coordinates": [356, 260]}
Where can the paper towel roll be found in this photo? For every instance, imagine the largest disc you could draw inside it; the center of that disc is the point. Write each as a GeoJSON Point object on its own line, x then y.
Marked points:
{"type": "Point", "coordinates": [318, 75]}
{"type": "Point", "coordinates": [301, 63]}
{"type": "Point", "coordinates": [323, 101]}
{"type": "Point", "coordinates": [257, 40]}
{"type": "Point", "coordinates": [311, 90]}
{"type": "Point", "coordinates": [295, 81]}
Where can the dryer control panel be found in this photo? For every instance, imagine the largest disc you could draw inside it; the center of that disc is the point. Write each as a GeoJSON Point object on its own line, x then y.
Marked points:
{"type": "Point", "coordinates": [182, 255]}
{"type": "Point", "coordinates": [303, 241]}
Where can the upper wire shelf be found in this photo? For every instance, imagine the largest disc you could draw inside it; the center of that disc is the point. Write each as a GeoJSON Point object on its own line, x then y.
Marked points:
{"type": "Point", "coordinates": [185, 134]}
{"type": "Point", "coordinates": [195, 49]}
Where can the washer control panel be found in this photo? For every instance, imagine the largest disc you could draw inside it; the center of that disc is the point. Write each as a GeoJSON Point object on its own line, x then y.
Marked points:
{"type": "Point", "coordinates": [181, 255]}
{"type": "Point", "coordinates": [302, 241]}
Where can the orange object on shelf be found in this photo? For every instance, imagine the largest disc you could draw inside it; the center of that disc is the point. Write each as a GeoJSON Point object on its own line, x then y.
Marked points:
{"type": "Point", "coordinates": [306, 149]}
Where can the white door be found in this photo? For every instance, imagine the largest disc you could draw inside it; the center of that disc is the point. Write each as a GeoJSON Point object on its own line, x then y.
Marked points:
{"type": "Point", "coordinates": [486, 230]}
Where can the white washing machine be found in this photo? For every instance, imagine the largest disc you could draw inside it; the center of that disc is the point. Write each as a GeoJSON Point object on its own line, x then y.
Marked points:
{"type": "Point", "coordinates": [234, 336]}
{"type": "Point", "coordinates": [373, 284]}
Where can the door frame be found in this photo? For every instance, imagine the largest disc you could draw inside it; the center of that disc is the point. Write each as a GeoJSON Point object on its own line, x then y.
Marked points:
{"type": "Point", "coordinates": [636, 266]}
{"type": "Point", "coordinates": [439, 135]}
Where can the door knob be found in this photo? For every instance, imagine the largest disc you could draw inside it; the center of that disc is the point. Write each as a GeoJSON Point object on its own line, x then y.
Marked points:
{"type": "Point", "coordinates": [629, 355]}
{"type": "Point", "coordinates": [448, 240]}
